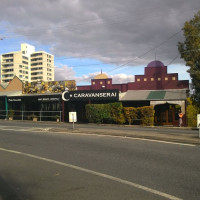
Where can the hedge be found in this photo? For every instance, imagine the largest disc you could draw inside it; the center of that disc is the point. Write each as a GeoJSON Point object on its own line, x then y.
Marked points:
{"type": "Point", "coordinates": [97, 113]}
{"type": "Point", "coordinates": [116, 113]}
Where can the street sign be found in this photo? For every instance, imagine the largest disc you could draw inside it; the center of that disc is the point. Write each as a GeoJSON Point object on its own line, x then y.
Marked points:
{"type": "Point", "coordinates": [198, 121]}
{"type": "Point", "coordinates": [72, 117]}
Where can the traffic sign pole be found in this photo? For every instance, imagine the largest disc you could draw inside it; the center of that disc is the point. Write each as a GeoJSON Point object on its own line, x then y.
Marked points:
{"type": "Point", "coordinates": [198, 123]}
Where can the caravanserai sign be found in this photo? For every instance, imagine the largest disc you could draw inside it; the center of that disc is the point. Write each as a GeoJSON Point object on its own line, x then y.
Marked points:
{"type": "Point", "coordinates": [91, 95]}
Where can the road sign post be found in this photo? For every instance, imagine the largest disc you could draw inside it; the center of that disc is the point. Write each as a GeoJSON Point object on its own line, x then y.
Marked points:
{"type": "Point", "coordinates": [72, 117]}
{"type": "Point", "coordinates": [198, 123]}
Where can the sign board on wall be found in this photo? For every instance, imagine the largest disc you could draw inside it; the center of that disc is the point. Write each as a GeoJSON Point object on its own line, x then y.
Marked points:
{"type": "Point", "coordinates": [43, 87]}
{"type": "Point", "coordinates": [72, 117]}
{"type": "Point", "coordinates": [90, 95]}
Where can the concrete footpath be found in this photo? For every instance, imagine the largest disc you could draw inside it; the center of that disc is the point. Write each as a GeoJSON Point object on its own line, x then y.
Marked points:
{"type": "Point", "coordinates": [170, 134]}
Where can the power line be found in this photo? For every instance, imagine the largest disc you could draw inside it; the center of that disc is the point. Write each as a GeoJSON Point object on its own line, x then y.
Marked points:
{"type": "Point", "coordinates": [143, 54]}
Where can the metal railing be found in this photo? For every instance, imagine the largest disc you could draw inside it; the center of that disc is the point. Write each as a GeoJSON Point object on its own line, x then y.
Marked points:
{"type": "Point", "coordinates": [31, 115]}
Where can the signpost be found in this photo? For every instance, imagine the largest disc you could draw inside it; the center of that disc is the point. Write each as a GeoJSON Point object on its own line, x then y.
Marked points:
{"type": "Point", "coordinates": [72, 117]}
{"type": "Point", "coordinates": [198, 123]}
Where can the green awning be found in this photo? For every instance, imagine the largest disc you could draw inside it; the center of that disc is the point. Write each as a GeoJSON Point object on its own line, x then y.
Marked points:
{"type": "Point", "coordinates": [154, 95]}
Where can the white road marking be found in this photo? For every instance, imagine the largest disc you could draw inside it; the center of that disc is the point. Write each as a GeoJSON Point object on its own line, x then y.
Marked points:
{"type": "Point", "coordinates": [135, 185]}
{"type": "Point", "coordinates": [132, 138]}
{"type": "Point", "coordinates": [34, 129]}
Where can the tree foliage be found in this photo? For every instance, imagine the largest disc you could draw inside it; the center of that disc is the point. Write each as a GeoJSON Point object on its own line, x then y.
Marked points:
{"type": "Point", "coordinates": [192, 111]}
{"type": "Point", "coordinates": [190, 52]}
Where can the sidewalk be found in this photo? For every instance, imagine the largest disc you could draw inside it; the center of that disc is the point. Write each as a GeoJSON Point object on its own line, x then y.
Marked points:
{"type": "Point", "coordinates": [152, 133]}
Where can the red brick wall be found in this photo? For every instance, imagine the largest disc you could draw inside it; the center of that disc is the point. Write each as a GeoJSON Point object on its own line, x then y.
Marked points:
{"type": "Point", "coordinates": [155, 78]}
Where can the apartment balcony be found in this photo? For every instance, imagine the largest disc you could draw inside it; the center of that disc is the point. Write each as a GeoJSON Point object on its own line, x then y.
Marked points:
{"type": "Point", "coordinates": [6, 72]}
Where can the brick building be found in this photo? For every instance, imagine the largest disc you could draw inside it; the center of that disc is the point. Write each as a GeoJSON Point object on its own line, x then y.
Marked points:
{"type": "Point", "coordinates": [156, 88]}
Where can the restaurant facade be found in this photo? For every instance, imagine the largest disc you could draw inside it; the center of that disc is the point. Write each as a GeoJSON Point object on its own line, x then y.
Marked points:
{"type": "Point", "coordinates": [156, 88]}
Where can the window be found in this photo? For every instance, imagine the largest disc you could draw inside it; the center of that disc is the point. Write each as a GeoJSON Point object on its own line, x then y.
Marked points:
{"type": "Point", "coordinates": [138, 79]}
{"type": "Point", "coordinates": [166, 78]}
{"type": "Point", "coordinates": [101, 83]}
{"type": "Point", "coordinates": [159, 79]}
{"type": "Point", "coordinates": [145, 79]}
{"type": "Point", "coordinates": [93, 83]}
{"type": "Point", "coordinates": [108, 82]}
{"type": "Point", "coordinates": [173, 78]}
{"type": "Point", "coordinates": [24, 57]}
{"type": "Point", "coordinates": [152, 79]}
{"type": "Point", "coordinates": [24, 62]}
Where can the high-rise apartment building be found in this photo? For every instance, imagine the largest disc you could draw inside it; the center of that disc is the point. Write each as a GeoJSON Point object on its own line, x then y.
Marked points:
{"type": "Point", "coordinates": [28, 65]}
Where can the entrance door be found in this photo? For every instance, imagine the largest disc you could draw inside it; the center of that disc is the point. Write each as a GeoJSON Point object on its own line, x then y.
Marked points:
{"type": "Point", "coordinates": [165, 114]}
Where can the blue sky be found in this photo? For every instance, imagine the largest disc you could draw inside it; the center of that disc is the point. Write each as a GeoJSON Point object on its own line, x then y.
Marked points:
{"type": "Point", "coordinates": [88, 36]}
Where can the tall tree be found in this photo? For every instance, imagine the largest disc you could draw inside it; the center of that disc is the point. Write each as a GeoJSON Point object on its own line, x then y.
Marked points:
{"type": "Point", "coordinates": [190, 52]}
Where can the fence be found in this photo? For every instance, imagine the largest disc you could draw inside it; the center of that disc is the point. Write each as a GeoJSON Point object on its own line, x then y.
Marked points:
{"type": "Point", "coordinates": [31, 115]}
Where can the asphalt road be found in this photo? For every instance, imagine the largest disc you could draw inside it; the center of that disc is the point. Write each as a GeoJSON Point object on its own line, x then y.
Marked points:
{"type": "Point", "coordinates": [46, 165]}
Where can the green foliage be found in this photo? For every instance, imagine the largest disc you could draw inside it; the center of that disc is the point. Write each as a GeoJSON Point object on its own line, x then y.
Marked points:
{"type": "Point", "coordinates": [116, 112]}
{"type": "Point", "coordinates": [144, 114]}
{"type": "Point", "coordinates": [192, 111]}
{"type": "Point", "coordinates": [147, 115]}
{"type": "Point", "coordinates": [11, 113]}
{"type": "Point", "coordinates": [97, 113]}
{"type": "Point", "coordinates": [189, 51]}
{"type": "Point", "coordinates": [131, 114]}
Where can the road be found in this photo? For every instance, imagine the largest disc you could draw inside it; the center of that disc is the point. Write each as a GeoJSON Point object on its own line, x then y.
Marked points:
{"type": "Point", "coordinates": [35, 164]}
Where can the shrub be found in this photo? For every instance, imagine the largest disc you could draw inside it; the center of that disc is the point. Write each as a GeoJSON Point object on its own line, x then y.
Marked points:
{"type": "Point", "coordinates": [97, 113]}
{"type": "Point", "coordinates": [11, 113]}
{"type": "Point", "coordinates": [116, 113]}
{"type": "Point", "coordinates": [192, 111]}
{"type": "Point", "coordinates": [130, 114]}
{"type": "Point", "coordinates": [147, 115]}
{"type": "Point", "coordinates": [144, 114]}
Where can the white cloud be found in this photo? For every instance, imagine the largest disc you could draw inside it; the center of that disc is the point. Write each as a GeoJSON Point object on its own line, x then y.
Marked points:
{"type": "Point", "coordinates": [122, 78]}
{"type": "Point", "coordinates": [110, 31]}
{"type": "Point", "coordinates": [64, 73]}
{"type": "Point", "coordinates": [67, 73]}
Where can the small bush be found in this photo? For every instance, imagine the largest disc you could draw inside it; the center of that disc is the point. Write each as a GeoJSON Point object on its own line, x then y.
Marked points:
{"type": "Point", "coordinates": [147, 115]}
{"type": "Point", "coordinates": [130, 114]}
{"type": "Point", "coordinates": [97, 113]}
{"type": "Point", "coordinates": [116, 113]}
